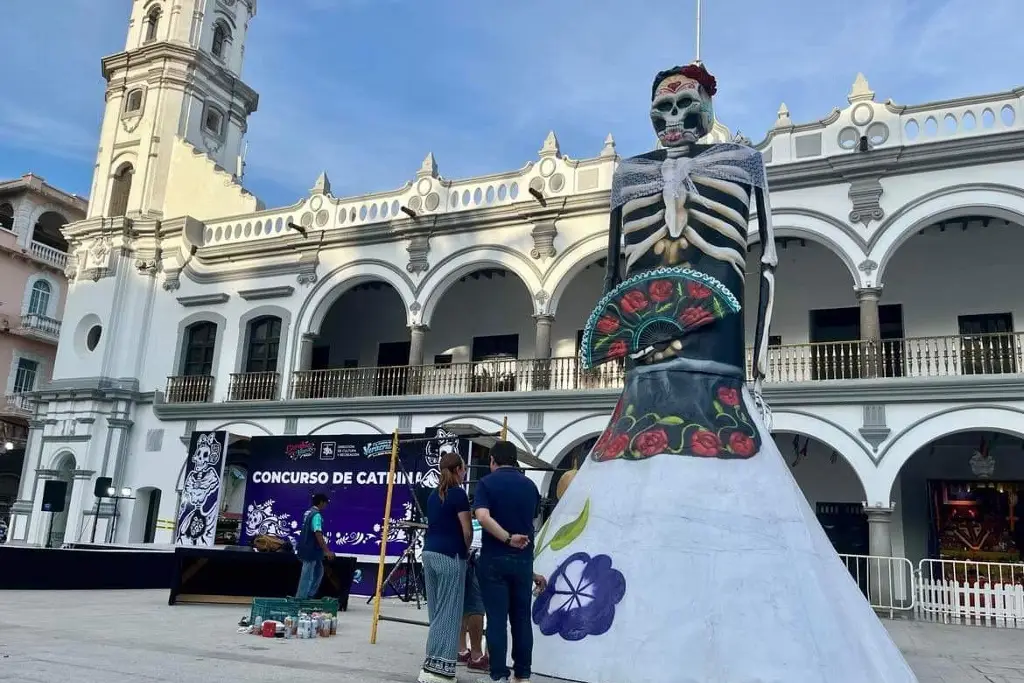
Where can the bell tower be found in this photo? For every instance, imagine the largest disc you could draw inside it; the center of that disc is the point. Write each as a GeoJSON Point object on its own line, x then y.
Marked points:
{"type": "Point", "coordinates": [174, 94]}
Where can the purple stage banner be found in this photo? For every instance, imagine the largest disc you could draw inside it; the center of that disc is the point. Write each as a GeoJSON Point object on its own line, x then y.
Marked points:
{"type": "Point", "coordinates": [285, 472]}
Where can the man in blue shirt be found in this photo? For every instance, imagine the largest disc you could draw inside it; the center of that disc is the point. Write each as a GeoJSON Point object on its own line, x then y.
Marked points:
{"type": "Point", "coordinates": [506, 503]}
{"type": "Point", "coordinates": [312, 549]}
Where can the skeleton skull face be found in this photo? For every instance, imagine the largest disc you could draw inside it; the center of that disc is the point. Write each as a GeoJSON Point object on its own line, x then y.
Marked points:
{"type": "Point", "coordinates": [680, 111]}
{"type": "Point", "coordinates": [207, 453]}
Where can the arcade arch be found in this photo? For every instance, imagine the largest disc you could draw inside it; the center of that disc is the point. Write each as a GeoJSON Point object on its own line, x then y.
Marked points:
{"type": "Point", "coordinates": [955, 326]}
{"type": "Point", "coordinates": [353, 328]}
{"type": "Point", "coordinates": [959, 488]}
{"type": "Point", "coordinates": [48, 231]}
{"type": "Point", "coordinates": [485, 317]}
{"type": "Point", "coordinates": [453, 270]}
{"type": "Point", "coordinates": [1002, 202]}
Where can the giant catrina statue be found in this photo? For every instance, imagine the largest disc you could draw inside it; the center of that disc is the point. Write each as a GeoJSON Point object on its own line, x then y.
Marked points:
{"type": "Point", "coordinates": [684, 551]}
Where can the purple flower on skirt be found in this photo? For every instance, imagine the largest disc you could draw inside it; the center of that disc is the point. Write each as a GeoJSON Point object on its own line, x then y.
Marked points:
{"type": "Point", "coordinates": [580, 598]}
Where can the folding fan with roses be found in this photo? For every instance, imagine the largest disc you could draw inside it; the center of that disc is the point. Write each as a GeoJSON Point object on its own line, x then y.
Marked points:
{"type": "Point", "coordinates": [654, 307]}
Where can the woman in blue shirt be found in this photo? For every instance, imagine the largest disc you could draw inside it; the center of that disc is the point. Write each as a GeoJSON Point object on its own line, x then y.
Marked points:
{"type": "Point", "coordinates": [445, 551]}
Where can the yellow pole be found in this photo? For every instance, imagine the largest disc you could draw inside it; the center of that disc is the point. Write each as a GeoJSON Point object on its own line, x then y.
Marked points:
{"type": "Point", "coordinates": [504, 429]}
{"type": "Point", "coordinates": [384, 539]}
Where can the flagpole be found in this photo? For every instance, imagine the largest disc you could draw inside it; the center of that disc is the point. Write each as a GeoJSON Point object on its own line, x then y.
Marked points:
{"type": "Point", "coordinates": [697, 60]}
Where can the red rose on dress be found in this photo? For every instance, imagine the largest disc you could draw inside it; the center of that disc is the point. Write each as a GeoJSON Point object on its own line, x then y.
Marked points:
{"type": "Point", "coordinates": [660, 290]}
{"type": "Point", "coordinates": [633, 301]}
{"type": "Point", "coordinates": [618, 349]}
{"type": "Point", "coordinates": [607, 325]}
{"type": "Point", "coordinates": [729, 396]}
{"type": "Point", "coordinates": [652, 442]}
{"type": "Point", "coordinates": [741, 444]}
{"type": "Point", "coordinates": [695, 315]}
{"type": "Point", "coordinates": [705, 443]}
{"type": "Point", "coordinates": [616, 447]}
{"type": "Point", "coordinates": [697, 291]}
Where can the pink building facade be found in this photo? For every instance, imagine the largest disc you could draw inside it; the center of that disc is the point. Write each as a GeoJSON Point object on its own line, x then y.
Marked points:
{"type": "Point", "coordinates": [33, 287]}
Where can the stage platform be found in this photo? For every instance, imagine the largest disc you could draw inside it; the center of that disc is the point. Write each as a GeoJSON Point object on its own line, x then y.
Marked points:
{"type": "Point", "coordinates": [225, 575]}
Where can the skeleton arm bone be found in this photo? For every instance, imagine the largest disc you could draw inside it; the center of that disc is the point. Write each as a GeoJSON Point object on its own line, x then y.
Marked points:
{"type": "Point", "coordinates": [766, 299]}
{"type": "Point", "coordinates": [612, 276]}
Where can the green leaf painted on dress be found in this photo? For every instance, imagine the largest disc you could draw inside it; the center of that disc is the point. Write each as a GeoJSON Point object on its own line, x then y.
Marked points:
{"type": "Point", "coordinates": [538, 544]}
{"type": "Point", "coordinates": [664, 307]}
{"type": "Point", "coordinates": [629, 410]}
{"type": "Point", "coordinates": [718, 308]}
{"type": "Point", "coordinates": [718, 408]}
{"type": "Point", "coordinates": [671, 420]}
{"type": "Point", "coordinates": [571, 531]}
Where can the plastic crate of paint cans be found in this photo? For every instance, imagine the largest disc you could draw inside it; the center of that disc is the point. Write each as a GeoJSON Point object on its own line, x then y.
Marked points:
{"type": "Point", "coordinates": [279, 608]}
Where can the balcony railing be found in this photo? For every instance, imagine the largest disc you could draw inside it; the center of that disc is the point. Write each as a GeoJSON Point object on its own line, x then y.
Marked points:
{"type": "Point", "coordinates": [955, 355]}
{"type": "Point", "coordinates": [890, 358]}
{"type": "Point", "coordinates": [190, 389]}
{"type": "Point", "coordinates": [55, 257]}
{"type": "Point", "coordinates": [40, 326]}
{"type": "Point", "coordinates": [254, 386]}
{"type": "Point", "coordinates": [17, 404]}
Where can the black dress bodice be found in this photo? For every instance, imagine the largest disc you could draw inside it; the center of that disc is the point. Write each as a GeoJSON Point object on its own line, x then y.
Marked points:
{"type": "Point", "coordinates": [722, 341]}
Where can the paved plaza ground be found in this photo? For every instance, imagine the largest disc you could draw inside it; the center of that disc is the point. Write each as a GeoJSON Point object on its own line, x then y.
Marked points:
{"type": "Point", "coordinates": [133, 636]}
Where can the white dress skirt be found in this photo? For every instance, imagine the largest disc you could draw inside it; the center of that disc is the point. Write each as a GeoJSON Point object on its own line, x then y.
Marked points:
{"type": "Point", "coordinates": [682, 569]}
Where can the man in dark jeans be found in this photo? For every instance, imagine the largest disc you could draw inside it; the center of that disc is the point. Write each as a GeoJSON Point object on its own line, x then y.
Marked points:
{"type": "Point", "coordinates": [506, 503]}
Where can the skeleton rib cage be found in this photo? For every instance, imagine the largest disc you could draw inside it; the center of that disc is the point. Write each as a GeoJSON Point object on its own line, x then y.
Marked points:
{"type": "Point", "coordinates": [712, 222]}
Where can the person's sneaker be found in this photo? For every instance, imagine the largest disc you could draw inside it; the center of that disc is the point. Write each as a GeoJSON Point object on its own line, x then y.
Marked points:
{"type": "Point", "coordinates": [488, 679]}
{"type": "Point", "coordinates": [464, 657]}
{"type": "Point", "coordinates": [481, 664]}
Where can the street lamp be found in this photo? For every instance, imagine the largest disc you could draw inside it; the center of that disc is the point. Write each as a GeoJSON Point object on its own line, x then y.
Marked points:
{"type": "Point", "coordinates": [8, 445]}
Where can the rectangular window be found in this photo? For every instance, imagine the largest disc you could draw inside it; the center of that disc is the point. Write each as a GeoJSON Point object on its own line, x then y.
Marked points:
{"type": "Point", "coordinates": [495, 347]}
{"type": "Point", "coordinates": [321, 359]}
{"type": "Point", "coordinates": [25, 375]}
{"type": "Point", "coordinates": [987, 344]}
{"type": "Point", "coordinates": [443, 359]}
{"type": "Point", "coordinates": [350, 363]}
{"type": "Point", "coordinates": [774, 340]}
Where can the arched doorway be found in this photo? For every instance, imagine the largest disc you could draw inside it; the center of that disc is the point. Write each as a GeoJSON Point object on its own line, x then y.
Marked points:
{"type": "Point", "coordinates": [963, 498]}
{"type": "Point", "coordinates": [832, 488]}
{"type": "Point", "coordinates": [978, 336]}
{"type": "Point", "coordinates": [361, 348]}
{"type": "Point", "coordinates": [145, 515]}
{"type": "Point", "coordinates": [48, 231]}
{"type": "Point", "coordinates": [59, 528]}
{"type": "Point", "coordinates": [480, 329]}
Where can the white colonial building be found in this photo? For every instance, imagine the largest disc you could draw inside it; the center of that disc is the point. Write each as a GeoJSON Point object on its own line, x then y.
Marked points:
{"type": "Point", "coordinates": [894, 355]}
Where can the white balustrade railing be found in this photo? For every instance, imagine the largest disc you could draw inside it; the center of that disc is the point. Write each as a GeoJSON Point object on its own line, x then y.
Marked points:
{"type": "Point", "coordinates": [971, 593]}
{"type": "Point", "coordinates": [55, 257]}
{"type": "Point", "coordinates": [18, 404]}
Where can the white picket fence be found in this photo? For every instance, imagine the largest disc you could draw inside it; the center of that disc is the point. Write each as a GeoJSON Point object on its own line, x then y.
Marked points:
{"type": "Point", "coordinates": [945, 591]}
{"type": "Point", "coordinates": [971, 593]}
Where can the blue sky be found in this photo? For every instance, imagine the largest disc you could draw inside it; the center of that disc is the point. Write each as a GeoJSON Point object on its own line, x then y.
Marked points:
{"type": "Point", "coordinates": [365, 88]}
